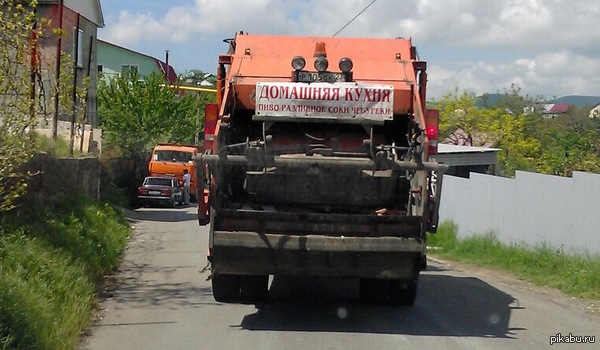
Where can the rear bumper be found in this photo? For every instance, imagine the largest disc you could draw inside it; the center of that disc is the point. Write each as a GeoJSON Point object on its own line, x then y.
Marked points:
{"type": "Point", "coordinates": [159, 200]}
{"type": "Point", "coordinates": [154, 198]}
{"type": "Point", "coordinates": [315, 255]}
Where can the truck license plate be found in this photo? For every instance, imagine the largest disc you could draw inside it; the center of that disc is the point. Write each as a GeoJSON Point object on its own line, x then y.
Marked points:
{"type": "Point", "coordinates": [328, 77]}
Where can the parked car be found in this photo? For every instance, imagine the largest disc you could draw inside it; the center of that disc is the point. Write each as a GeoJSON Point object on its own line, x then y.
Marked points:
{"type": "Point", "coordinates": [160, 190]}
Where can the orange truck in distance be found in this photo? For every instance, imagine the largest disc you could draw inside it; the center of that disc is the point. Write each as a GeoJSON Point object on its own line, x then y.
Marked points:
{"type": "Point", "coordinates": [320, 165]}
{"type": "Point", "coordinates": [171, 159]}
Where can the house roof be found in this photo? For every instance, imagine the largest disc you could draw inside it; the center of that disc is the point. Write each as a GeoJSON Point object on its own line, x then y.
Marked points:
{"type": "Point", "coordinates": [159, 64]}
{"type": "Point", "coordinates": [555, 108]}
{"type": "Point", "coordinates": [448, 148]}
{"type": "Point", "coordinates": [455, 155]}
{"type": "Point", "coordinates": [461, 138]}
{"type": "Point", "coordinates": [168, 71]}
{"type": "Point", "coordinates": [90, 9]}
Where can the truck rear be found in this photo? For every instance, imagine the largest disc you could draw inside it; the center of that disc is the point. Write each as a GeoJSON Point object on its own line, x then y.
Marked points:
{"type": "Point", "coordinates": [319, 165]}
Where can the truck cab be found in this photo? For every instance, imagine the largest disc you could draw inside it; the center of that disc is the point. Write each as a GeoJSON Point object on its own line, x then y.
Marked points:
{"type": "Point", "coordinates": [172, 159]}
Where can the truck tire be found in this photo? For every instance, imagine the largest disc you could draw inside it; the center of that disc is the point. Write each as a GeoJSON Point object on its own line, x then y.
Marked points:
{"type": "Point", "coordinates": [403, 292]}
{"type": "Point", "coordinates": [373, 290]}
{"type": "Point", "coordinates": [226, 288]}
{"type": "Point", "coordinates": [254, 288]}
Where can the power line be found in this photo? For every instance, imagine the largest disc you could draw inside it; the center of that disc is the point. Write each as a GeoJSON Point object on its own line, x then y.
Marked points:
{"type": "Point", "coordinates": [355, 17]}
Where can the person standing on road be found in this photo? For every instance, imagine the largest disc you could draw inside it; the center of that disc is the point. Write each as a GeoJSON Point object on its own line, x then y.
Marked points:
{"type": "Point", "coordinates": [186, 186]}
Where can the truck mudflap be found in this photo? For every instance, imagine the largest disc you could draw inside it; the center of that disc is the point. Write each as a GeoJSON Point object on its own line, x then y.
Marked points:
{"type": "Point", "coordinates": [203, 207]}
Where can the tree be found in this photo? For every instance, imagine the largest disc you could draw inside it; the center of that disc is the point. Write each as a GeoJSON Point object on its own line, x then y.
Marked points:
{"type": "Point", "coordinates": [463, 123]}
{"type": "Point", "coordinates": [137, 113]}
{"type": "Point", "coordinates": [22, 97]}
{"type": "Point", "coordinates": [519, 151]}
{"type": "Point", "coordinates": [18, 36]}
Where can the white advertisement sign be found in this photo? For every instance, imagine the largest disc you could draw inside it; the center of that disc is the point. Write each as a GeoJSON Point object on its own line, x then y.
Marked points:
{"type": "Point", "coordinates": [325, 100]}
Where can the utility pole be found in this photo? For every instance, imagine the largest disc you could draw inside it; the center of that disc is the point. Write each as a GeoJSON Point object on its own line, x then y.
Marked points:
{"type": "Point", "coordinates": [74, 96]}
{"type": "Point", "coordinates": [167, 70]}
{"type": "Point", "coordinates": [34, 68]}
{"type": "Point", "coordinates": [58, 54]}
{"type": "Point", "coordinates": [196, 138]}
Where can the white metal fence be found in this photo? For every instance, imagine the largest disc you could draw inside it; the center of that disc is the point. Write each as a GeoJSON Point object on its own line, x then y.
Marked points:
{"type": "Point", "coordinates": [534, 209]}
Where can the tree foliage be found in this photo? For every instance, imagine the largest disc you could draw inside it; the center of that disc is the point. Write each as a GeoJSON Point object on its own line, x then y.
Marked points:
{"type": "Point", "coordinates": [17, 108]}
{"type": "Point", "coordinates": [137, 113]}
{"type": "Point", "coordinates": [22, 96]}
{"type": "Point", "coordinates": [462, 123]}
{"type": "Point", "coordinates": [527, 140]}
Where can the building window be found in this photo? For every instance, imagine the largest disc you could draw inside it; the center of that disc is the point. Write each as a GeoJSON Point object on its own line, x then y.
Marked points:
{"type": "Point", "coordinates": [129, 69]}
{"type": "Point", "coordinates": [100, 69]}
{"type": "Point", "coordinates": [78, 46]}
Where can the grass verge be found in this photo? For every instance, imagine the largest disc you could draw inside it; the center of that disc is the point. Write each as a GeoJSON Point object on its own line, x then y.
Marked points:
{"type": "Point", "coordinates": [575, 274]}
{"type": "Point", "coordinates": [50, 263]}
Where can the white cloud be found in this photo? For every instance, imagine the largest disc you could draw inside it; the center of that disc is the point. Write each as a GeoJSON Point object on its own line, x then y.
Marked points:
{"type": "Point", "coordinates": [548, 74]}
{"type": "Point", "coordinates": [547, 47]}
{"type": "Point", "coordinates": [205, 17]}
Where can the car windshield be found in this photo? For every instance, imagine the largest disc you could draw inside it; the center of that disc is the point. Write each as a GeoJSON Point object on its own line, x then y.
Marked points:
{"type": "Point", "coordinates": [156, 181]}
{"type": "Point", "coordinates": [173, 156]}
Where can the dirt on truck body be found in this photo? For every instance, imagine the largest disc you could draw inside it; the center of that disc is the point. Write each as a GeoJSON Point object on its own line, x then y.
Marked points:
{"type": "Point", "coordinates": [319, 165]}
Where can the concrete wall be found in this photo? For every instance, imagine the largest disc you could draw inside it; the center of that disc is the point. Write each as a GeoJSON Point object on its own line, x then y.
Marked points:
{"type": "Point", "coordinates": [92, 137]}
{"type": "Point", "coordinates": [531, 208]}
{"type": "Point", "coordinates": [101, 178]}
{"type": "Point", "coordinates": [54, 178]}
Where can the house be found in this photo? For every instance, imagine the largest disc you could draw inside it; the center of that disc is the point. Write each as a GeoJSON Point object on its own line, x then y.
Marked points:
{"type": "Point", "coordinates": [467, 152]}
{"type": "Point", "coordinates": [464, 160]}
{"type": "Point", "coordinates": [595, 112]}
{"type": "Point", "coordinates": [114, 59]}
{"type": "Point", "coordinates": [79, 21]}
{"type": "Point", "coordinates": [552, 110]}
{"type": "Point", "coordinates": [197, 77]}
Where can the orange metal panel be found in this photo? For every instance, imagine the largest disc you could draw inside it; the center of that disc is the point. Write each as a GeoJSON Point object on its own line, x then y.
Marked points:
{"type": "Point", "coordinates": [268, 58]}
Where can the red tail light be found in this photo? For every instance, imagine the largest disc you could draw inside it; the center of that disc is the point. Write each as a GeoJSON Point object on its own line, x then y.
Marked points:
{"type": "Point", "coordinates": [142, 191]}
{"type": "Point", "coordinates": [432, 120]}
{"type": "Point", "coordinates": [211, 115]}
{"type": "Point", "coordinates": [166, 192]}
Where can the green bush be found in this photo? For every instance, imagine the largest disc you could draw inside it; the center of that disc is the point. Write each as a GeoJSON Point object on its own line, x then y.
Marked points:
{"type": "Point", "coordinates": [575, 274]}
{"type": "Point", "coordinates": [45, 299]}
{"type": "Point", "coordinates": [49, 266]}
{"type": "Point", "coordinates": [93, 234]}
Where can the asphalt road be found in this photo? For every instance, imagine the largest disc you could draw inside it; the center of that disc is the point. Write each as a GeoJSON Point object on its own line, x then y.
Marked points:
{"type": "Point", "coordinates": [161, 300]}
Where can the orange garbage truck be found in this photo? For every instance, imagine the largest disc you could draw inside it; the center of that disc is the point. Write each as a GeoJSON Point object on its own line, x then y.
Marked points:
{"type": "Point", "coordinates": [319, 165]}
{"type": "Point", "coordinates": [170, 159]}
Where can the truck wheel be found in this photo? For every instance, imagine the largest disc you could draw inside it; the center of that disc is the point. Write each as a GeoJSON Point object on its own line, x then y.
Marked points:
{"type": "Point", "coordinates": [226, 288]}
{"type": "Point", "coordinates": [403, 292]}
{"type": "Point", "coordinates": [373, 290]}
{"type": "Point", "coordinates": [254, 288]}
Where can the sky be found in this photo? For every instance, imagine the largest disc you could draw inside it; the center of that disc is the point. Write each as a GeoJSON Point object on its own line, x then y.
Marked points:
{"type": "Point", "coordinates": [546, 48]}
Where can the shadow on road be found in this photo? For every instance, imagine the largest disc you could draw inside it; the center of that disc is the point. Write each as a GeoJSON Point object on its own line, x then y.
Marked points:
{"type": "Point", "coordinates": [177, 214]}
{"type": "Point", "coordinates": [140, 288]}
{"type": "Point", "coordinates": [445, 306]}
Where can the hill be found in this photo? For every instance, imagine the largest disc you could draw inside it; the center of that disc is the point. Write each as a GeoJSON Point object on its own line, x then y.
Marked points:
{"type": "Point", "coordinates": [576, 100]}
{"type": "Point", "coordinates": [579, 101]}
